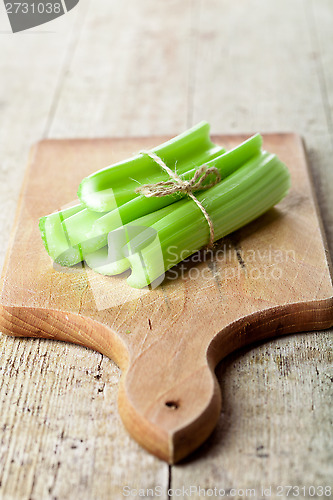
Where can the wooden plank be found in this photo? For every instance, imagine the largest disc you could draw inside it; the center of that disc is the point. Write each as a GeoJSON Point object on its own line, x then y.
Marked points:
{"type": "Point", "coordinates": [243, 70]}
{"type": "Point", "coordinates": [133, 61]}
{"type": "Point", "coordinates": [31, 68]}
{"type": "Point", "coordinates": [282, 285]}
{"type": "Point", "coordinates": [60, 430]}
{"type": "Point", "coordinates": [319, 19]}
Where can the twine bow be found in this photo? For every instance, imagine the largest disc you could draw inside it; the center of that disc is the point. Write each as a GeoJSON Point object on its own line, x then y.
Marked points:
{"type": "Point", "coordinates": [178, 185]}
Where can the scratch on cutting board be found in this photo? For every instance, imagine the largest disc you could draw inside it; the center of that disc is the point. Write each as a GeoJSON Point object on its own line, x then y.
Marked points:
{"type": "Point", "coordinates": [82, 296]}
{"type": "Point", "coordinates": [212, 266]}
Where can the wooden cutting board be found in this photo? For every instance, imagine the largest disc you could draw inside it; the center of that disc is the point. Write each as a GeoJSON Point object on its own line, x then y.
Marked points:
{"type": "Point", "coordinates": [270, 278]}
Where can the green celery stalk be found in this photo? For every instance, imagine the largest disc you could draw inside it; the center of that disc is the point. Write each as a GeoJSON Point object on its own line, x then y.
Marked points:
{"type": "Point", "coordinates": [81, 226]}
{"type": "Point", "coordinates": [100, 190]}
{"type": "Point", "coordinates": [88, 224]}
{"type": "Point", "coordinates": [67, 234]}
{"type": "Point", "coordinates": [226, 163]}
{"type": "Point", "coordinates": [114, 228]}
{"type": "Point", "coordinates": [55, 238]}
{"type": "Point", "coordinates": [237, 200]}
{"type": "Point", "coordinates": [112, 258]}
{"type": "Point", "coordinates": [71, 234]}
{"type": "Point", "coordinates": [78, 227]}
{"type": "Point", "coordinates": [57, 242]}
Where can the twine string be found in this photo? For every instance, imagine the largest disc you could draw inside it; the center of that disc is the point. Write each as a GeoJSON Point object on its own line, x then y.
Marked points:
{"type": "Point", "coordinates": [178, 185]}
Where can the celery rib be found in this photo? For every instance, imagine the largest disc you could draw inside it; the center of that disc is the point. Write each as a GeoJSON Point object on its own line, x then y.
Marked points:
{"type": "Point", "coordinates": [226, 163]}
{"type": "Point", "coordinates": [55, 238]}
{"type": "Point", "coordinates": [97, 191]}
{"type": "Point", "coordinates": [240, 198]}
{"type": "Point", "coordinates": [87, 224]}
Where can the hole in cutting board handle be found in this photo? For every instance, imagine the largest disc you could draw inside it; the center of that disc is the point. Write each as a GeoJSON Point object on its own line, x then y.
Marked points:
{"type": "Point", "coordinates": [173, 405]}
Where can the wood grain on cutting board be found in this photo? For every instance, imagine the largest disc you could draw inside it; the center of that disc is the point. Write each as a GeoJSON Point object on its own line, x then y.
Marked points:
{"type": "Point", "coordinates": [270, 278]}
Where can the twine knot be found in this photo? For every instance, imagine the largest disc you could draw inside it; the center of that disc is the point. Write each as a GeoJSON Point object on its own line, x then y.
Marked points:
{"type": "Point", "coordinates": [178, 185]}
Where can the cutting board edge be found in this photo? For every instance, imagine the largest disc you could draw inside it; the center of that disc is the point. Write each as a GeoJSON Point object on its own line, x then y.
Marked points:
{"type": "Point", "coordinates": [322, 309]}
{"type": "Point", "coordinates": [158, 137]}
{"type": "Point", "coordinates": [329, 259]}
{"type": "Point", "coordinates": [31, 156]}
{"type": "Point", "coordinates": [28, 322]}
{"type": "Point", "coordinates": [319, 315]}
{"type": "Point", "coordinates": [175, 444]}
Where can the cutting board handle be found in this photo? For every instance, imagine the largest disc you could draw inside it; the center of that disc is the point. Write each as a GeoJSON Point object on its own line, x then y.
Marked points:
{"type": "Point", "coordinates": [173, 422]}
{"type": "Point", "coordinates": [171, 412]}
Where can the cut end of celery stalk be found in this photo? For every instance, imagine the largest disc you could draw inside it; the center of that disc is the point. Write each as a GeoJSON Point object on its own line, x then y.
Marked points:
{"type": "Point", "coordinates": [55, 238]}
{"type": "Point", "coordinates": [99, 262]}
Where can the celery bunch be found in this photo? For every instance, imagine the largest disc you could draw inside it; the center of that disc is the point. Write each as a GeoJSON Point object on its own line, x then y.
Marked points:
{"type": "Point", "coordinates": [113, 228]}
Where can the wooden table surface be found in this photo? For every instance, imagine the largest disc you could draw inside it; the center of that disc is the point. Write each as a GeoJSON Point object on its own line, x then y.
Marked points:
{"type": "Point", "coordinates": [128, 68]}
